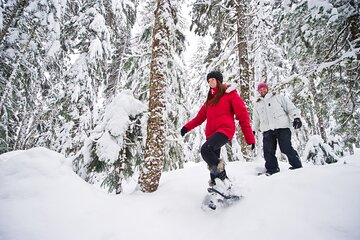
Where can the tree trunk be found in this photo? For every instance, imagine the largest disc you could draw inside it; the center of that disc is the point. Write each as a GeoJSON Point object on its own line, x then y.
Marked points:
{"type": "Point", "coordinates": [317, 108]}
{"type": "Point", "coordinates": [243, 65]}
{"type": "Point", "coordinates": [155, 141]}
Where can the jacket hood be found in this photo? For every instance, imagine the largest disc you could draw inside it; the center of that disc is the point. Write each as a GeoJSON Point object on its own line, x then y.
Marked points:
{"type": "Point", "coordinates": [267, 95]}
{"type": "Point", "coordinates": [231, 87]}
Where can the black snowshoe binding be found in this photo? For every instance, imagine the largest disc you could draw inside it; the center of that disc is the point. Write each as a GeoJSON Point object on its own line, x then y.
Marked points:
{"type": "Point", "coordinates": [220, 192]}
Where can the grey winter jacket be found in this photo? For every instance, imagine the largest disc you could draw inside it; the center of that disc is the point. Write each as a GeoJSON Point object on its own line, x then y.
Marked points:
{"type": "Point", "coordinates": [274, 112]}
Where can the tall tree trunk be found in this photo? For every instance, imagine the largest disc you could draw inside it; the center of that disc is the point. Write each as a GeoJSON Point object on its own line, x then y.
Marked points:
{"type": "Point", "coordinates": [317, 108]}
{"type": "Point", "coordinates": [155, 141]}
{"type": "Point", "coordinates": [244, 64]}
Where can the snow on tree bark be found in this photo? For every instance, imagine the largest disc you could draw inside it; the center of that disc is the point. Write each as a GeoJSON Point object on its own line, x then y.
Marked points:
{"type": "Point", "coordinates": [154, 149]}
{"type": "Point", "coordinates": [243, 64]}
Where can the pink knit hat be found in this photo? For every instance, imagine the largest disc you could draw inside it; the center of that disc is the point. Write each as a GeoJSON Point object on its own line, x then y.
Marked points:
{"type": "Point", "coordinates": [262, 85]}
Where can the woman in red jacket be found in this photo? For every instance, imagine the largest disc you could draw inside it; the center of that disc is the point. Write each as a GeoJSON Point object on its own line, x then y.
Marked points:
{"type": "Point", "coordinates": [221, 105]}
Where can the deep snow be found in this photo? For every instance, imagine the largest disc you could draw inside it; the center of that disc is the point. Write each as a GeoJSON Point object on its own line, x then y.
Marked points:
{"type": "Point", "coordinates": [41, 198]}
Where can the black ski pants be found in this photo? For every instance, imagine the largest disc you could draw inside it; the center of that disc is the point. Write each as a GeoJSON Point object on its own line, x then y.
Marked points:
{"type": "Point", "coordinates": [283, 137]}
{"type": "Point", "coordinates": [210, 150]}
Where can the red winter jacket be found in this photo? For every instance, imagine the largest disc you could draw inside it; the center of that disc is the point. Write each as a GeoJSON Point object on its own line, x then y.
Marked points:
{"type": "Point", "coordinates": [220, 117]}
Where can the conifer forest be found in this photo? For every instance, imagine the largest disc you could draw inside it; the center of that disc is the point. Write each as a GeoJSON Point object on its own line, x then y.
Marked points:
{"type": "Point", "coordinates": [110, 83]}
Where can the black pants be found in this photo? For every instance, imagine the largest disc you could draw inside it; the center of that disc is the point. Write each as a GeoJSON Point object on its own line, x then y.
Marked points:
{"type": "Point", "coordinates": [283, 137]}
{"type": "Point", "coordinates": [210, 150]}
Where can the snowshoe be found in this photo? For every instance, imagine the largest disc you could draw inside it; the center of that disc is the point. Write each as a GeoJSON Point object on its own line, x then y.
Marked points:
{"type": "Point", "coordinates": [220, 195]}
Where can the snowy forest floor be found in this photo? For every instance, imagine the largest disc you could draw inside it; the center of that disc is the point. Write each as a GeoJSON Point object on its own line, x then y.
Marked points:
{"type": "Point", "coordinates": [41, 198]}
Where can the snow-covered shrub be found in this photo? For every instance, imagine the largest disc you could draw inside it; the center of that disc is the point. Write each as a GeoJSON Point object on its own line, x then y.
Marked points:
{"type": "Point", "coordinates": [337, 146]}
{"type": "Point", "coordinates": [319, 152]}
{"type": "Point", "coordinates": [114, 148]}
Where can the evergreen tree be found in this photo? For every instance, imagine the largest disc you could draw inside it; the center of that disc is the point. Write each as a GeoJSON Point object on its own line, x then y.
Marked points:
{"type": "Point", "coordinates": [196, 92]}
{"type": "Point", "coordinates": [175, 91]}
{"type": "Point", "coordinates": [137, 69]}
{"type": "Point", "coordinates": [114, 149]}
{"type": "Point", "coordinates": [120, 18]}
{"type": "Point", "coordinates": [105, 153]}
{"type": "Point", "coordinates": [321, 52]}
{"type": "Point", "coordinates": [88, 48]}
{"type": "Point", "coordinates": [63, 61]}
{"type": "Point", "coordinates": [136, 63]}
{"type": "Point", "coordinates": [28, 39]}
{"type": "Point", "coordinates": [161, 71]}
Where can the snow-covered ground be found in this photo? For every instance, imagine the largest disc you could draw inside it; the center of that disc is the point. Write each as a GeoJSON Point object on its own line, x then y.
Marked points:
{"type": "Point", "coordinates": [41, 198]}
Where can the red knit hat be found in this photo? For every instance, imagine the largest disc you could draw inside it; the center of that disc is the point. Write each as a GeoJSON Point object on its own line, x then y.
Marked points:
{"type": "Point", "coordinates": [262, 85]}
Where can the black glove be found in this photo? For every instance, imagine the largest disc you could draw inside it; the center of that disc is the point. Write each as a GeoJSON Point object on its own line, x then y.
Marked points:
{"type": "Point", "coordinates": [183, 131]}
{"type": "Point", "coordinates": [297, 123]}
{"type": "Point", "coordinates": [252, 146]}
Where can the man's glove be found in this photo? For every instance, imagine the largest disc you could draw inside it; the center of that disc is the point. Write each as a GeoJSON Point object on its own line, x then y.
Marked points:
{"type": "Point", "coordinates": [297, 123]}
{"type": "Point", "coordinates": [253, 146]}
{"type": "Point", "coordinates": [183, 131]}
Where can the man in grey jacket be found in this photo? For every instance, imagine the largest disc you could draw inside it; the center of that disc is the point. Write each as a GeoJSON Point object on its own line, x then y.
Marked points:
{"type": "Point", "coordinates": [272, 116]}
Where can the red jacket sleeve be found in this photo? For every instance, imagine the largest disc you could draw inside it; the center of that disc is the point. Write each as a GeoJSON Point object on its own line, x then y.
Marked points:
{"type": "Point", "coordinates": [198, 120]}
{"type": "Point", "coordinates": [242, 116]}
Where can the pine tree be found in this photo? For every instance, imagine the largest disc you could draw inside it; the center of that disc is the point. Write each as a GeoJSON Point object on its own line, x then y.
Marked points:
{"type": "Point", "coordinates": [319, 54]}
{"type": "Point", "coordinates": [137, 69]}
{"type": "Point", "coordinates": [154, 149]}
{"type": "Point", "coordinates": [28, 40]}
{"type": "Point", "coordinates": [175, 91]}
{"type": "Point", "coordinates": [245, 77]}
{"type": "Point", "coordinates": [136, 63]}
{"type": "Point", "coordinates": [100, 50]}
{"type": "Point", "coordinates": [88, 48]}
{"type": "Point", "coordinates": [114, 149]}
{"type": "Point", "coordinates": [120, 18]}
{"type": "Point", "coordinates": [196, 92]}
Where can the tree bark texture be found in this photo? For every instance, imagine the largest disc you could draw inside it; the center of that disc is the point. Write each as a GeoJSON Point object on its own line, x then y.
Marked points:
{"type": "Point", "coordinates": [243, 65]}
{"type": "Point", "coordinates": [155, 141]}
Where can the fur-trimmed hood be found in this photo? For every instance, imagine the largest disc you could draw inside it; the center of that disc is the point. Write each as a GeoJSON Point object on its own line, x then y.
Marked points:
{"type": "Point", "coordinates": [262, 98]}
{"type": "Point", "coordinates": [231, 87]}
